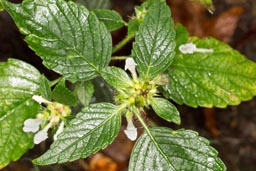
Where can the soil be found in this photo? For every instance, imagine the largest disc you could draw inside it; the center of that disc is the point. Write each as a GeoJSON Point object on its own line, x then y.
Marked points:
{"type": "Point", "coordinates": [232, 131]}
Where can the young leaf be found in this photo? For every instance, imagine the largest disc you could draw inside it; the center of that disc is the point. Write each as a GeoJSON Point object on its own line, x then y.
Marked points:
{"type": "Point", "coordinates": [165, 110]}
{"type": "Point", "coordinates": [110, 18]}
{"type": "Point", "coordinates": [95, 4]}
{"type": "Point", "coordinates": [133, 26]}
{"type": "Point", "coordinates": [69, 38]}
{"type": "Point", "coordinates": [116, 77]}
{"type": "Point", "coordinates": [223, 77]}
{"type": "Point", "coordinates": [44, 88]}
{"type": "Point", "coordinates": [165, 149]}
{"type": "Point", "coordinates": [18, 82]}
{"type": "Point", "coordinates": [92, 130]}
{"type": "Point", "coordinates": [153, 50]}
{"type": "Point", "coordinates": [63, 95]}
{"type": "Point", "coordinates": [84, 92]}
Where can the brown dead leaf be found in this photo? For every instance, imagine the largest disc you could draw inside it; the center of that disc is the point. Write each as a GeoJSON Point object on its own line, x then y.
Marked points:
{"type": "Point", "coordinates": [100, 162]}
{"type": "Point", "coordinates": [195, 18]}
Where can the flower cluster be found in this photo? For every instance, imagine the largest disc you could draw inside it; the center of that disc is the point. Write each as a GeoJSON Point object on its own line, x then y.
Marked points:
{"type": "Point", "coordinates": [53, 115]}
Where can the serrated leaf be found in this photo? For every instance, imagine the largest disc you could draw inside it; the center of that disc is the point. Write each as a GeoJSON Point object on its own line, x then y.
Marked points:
{"type": "Point", "coordinates": [69, 38]}
{"type": "Point", "coordinates": [116, 77]}
{"type": "Point", "coordinates": [153, 50]}
{"type": "Point", "coordinates": [165, 110]}
{"type": "Point", "coordinates": [95, 4]}
{"type": "Point", "coordinates": [110, 18]}
{"type": "Point", "coordinates": [18, 82]}
{"type": "Point", "coordinates": [168, 150]}
{"type": "Point", "coordinates": [44, 88]}
{"type": "Point", "coordinates": [84, 91]}
{"type": "Point", "coordinates": [63, 95]}
{"type": "Point", "coordinates": [92, 130]}
{"type": "Point", "coordinates": [224, 77]}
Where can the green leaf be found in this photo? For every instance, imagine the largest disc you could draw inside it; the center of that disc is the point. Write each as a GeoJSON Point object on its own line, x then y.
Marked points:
{"type": "Point", "coordinates": [181, 35]}
{"type": "Point", "coordinates": [168, 150]}
{"type": "Point", "coordinates": [92, 130]}
{"type": "Point", "coordinates": [224, 77]}
{"type": "Point", "coordinates": [63, 95]}
{"type": "Point", "coordinates": [110, 18]}
{"type": "Point", "coordinates": [133, 26]}
{"type": "Point", "coordinates": [69, 38]}
{"type": "Point", "coordinates": [116, 77]}
{"type": "Point", "coordinates": [19, 81]}
{"type": "Point", "coordinates": [84, 92]}
{"type": "Point", "coordinates": [165, 110]}
{"type": "Point", "coordinates": [1, 6]}
{"type": "Point", "coordinates": [44, 88]}
{"type": "Point", "coordinates": [153, 50]}
{"type": "Point", "coordinates": [95, 4]}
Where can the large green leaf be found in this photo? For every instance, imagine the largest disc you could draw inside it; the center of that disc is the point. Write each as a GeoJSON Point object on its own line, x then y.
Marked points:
{"type": "Point", "coordinates": [153, 50]}
{"type": "Point", "coordinates": [224, 77]}
{"type": "Point", "coordinates": [165, 110]}
{"type": "Point", "coordinates": [168, 150]}
{"type": "Point", "coordinates": [110, 18]}
{"type": "Point", "coordinates": [18, 82]}
{"type": "Point", "coordinates": [69, 38]}
{"type": "Point", "coordinates": [92, 129]}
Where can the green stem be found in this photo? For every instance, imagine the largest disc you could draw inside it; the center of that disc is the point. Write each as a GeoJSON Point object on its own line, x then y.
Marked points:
{"type": "Point", "coordinates": [137, 114]}
{"type": "Point", "coordinates": [119, 57]}
{"type": "Point", "coordinates": [122, 43]}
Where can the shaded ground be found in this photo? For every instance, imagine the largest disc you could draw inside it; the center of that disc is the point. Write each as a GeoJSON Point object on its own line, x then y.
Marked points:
{"type": "Point", "coordinates": [232, 131]}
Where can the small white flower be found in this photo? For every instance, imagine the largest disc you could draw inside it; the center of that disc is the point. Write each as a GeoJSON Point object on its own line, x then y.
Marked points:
{"type": "Point", "coordinates": [130, 65]}
{"type": "Point", "coordinates": [59, 130]}
{"type": "Point", "coordinates": [32, 125]}
{"type": "Point", "coordinates": [40, 99]}
{"type": "Point", "coordinates": [190, 48]}
{"type": "Point", "coordinates": [40, 136]}
{"type": "Point", "coordinates": [131, 131]}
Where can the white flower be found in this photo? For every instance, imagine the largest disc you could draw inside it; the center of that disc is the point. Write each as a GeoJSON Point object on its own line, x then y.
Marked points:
{"type": "Point", "coordinates": [40, 99]}
{"type": "Point", "coordinates": [190, 48]}
{"type": "Point", "coordinates": [60, 130]}
{"type": "Point", "coordinates": [51, 115]}
{"type": "Point", "coordinates": [32, 125]}
{"type": "Point", "coordinates": [131, 131]}
{"type": "Point", "coordinates": [130, 65]}
{"type": "Point", "coordinates": [40, 136]}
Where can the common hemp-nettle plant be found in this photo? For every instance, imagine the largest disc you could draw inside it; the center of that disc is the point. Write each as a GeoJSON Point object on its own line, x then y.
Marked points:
{"type": "Point", "coordinates": [164, 65]}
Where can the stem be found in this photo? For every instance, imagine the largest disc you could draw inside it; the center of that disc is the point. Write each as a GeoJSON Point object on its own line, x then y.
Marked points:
{"type": "Point", "coordinates": [122, 43]}
{"type": "Point", "coordinates": [119, 57]}
{"type": "Point", "coordinates": [137, 114]}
